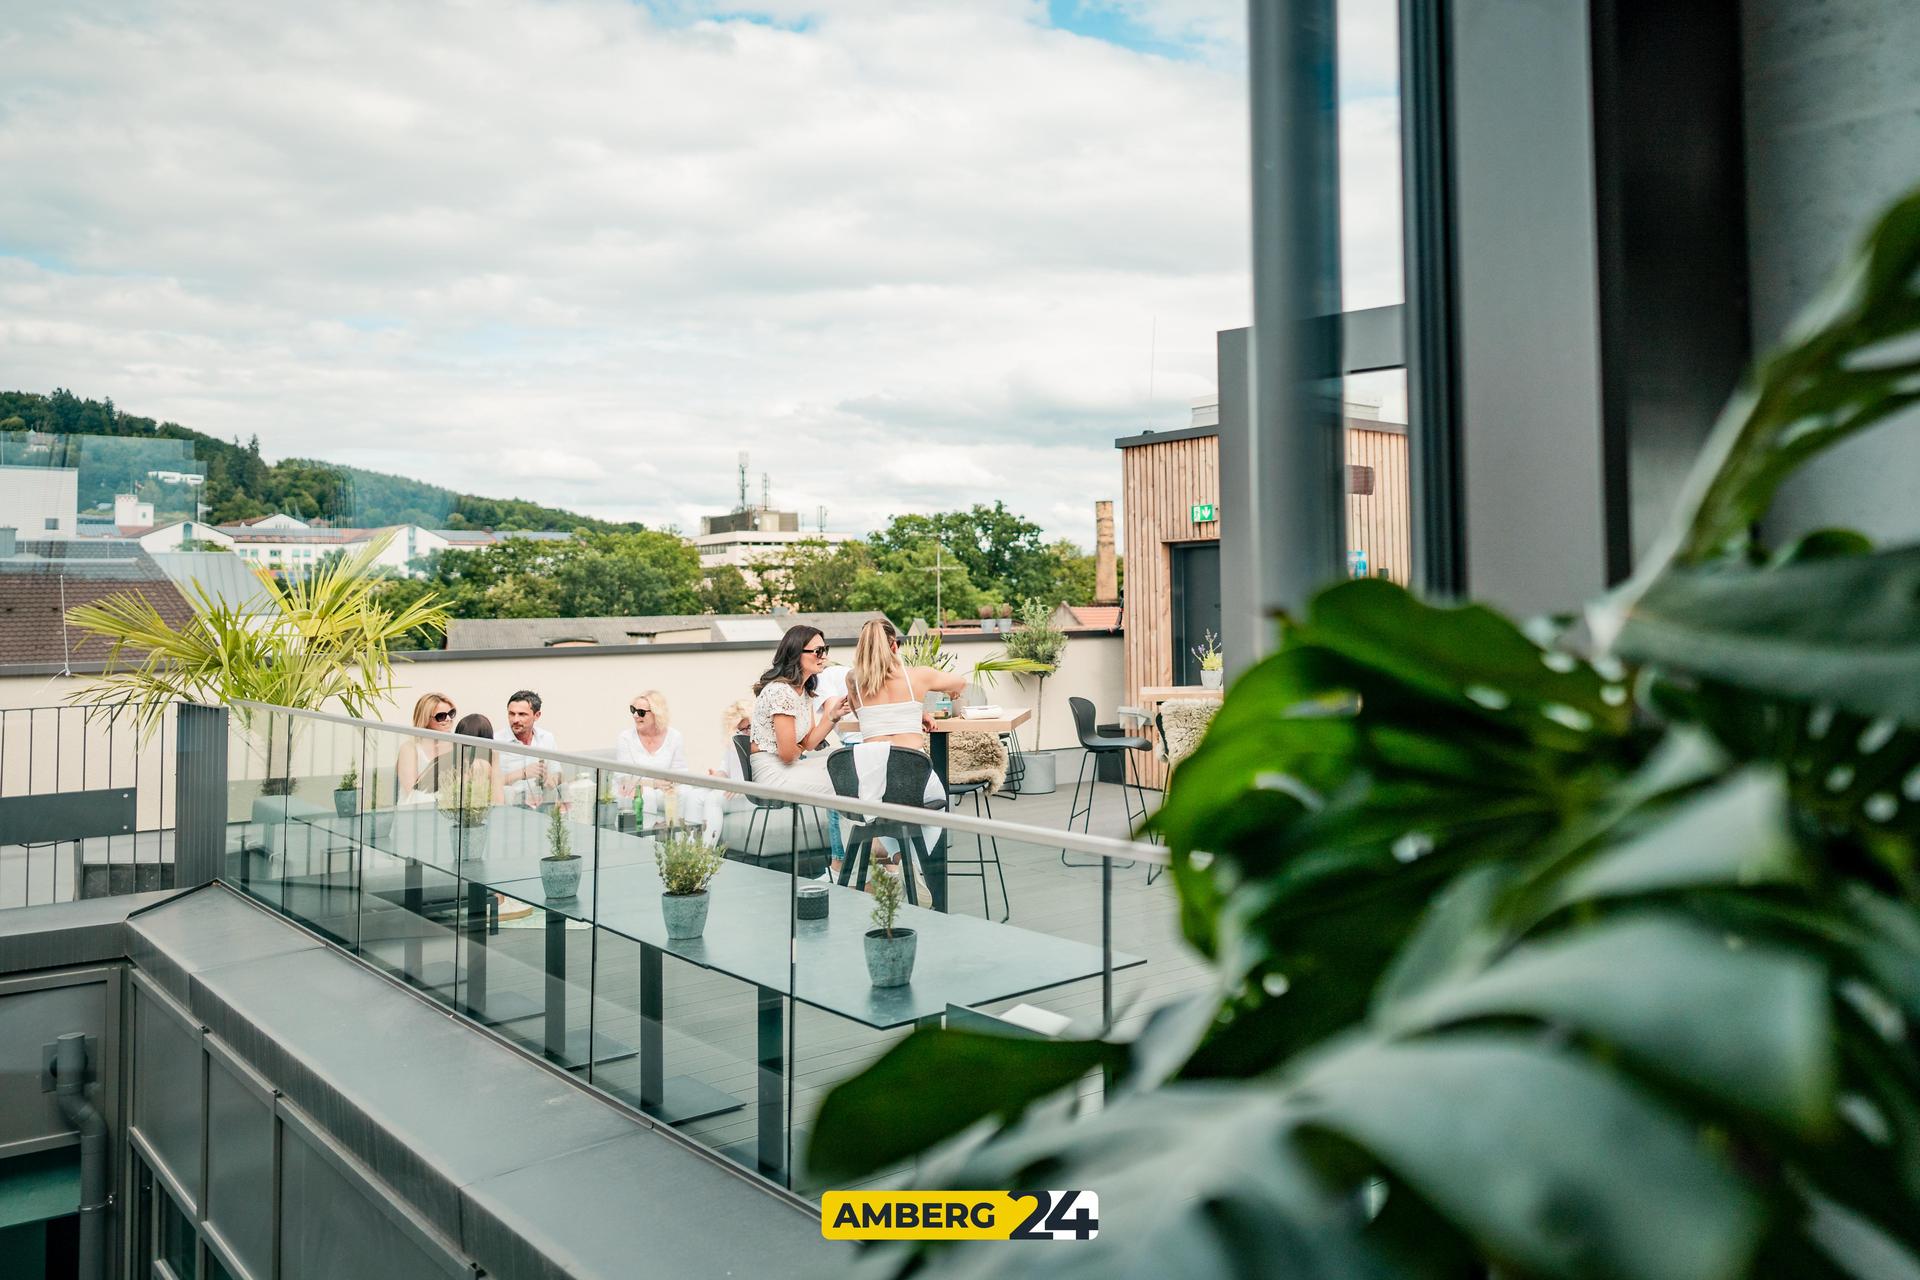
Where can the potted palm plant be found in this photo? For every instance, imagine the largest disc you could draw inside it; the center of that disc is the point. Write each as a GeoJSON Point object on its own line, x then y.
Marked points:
{"type": "Point", "coordinates": [324, 639]}
{"type": "Point", "coordinates": [346, 796]}
{"type": "Point", "coordinates": [560, 869]}
{"type": "Point", "coordinates": [686, 863]}
{"type": "Point", "coordinates": [889, 949]}
{"type": "Point", "coordinates": [1212, 666]}
{"type": "Point", "coordinates": [1039, 643]}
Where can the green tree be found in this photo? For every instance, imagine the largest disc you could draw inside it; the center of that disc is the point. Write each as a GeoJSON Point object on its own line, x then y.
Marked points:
{"type": "Point", "coordinates": [726, 590]}
{"type": "Point", "coordinates": [1074, 574]}
{"type": "Point", "coordinates": [1003, 552]}
{"type": "Point", "coordinates": [902, 585]}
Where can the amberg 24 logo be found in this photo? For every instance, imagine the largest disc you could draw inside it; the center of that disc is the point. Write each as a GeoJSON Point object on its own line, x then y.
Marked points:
{"type": "Point", "coordinates": [960, 1215]}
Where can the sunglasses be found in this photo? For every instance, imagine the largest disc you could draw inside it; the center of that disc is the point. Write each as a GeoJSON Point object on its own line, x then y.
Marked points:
{"type": "Point", "coordinates": [818, 651]}
{"type": "Point", "coordinates": [441, 717]}
{"type": "Point", "coordinates": [640, 712]}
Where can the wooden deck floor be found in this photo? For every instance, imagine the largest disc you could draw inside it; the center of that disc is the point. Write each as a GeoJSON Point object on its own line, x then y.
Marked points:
{"type": "Point", "coordinates": [710, 1020]}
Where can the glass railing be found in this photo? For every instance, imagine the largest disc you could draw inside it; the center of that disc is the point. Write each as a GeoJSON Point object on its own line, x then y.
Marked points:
{"type": "Point", "coordinates": [525, 890]}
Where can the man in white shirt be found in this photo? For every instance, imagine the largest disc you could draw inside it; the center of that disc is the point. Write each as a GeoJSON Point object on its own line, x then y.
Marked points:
{"type": "Point", "coordinates": [528, 780]}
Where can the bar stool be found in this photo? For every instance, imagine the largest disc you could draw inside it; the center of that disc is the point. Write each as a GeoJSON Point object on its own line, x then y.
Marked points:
{"type": "Point", "coordinates": [981, 792]}
{"type": "Point", "coordinates": [1094, 746]}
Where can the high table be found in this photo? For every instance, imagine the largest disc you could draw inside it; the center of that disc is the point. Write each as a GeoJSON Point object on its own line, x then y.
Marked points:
{"type": "Point", "coordinates": [752, 935]}
{"type": "Point", "coordinates": [937, 740]}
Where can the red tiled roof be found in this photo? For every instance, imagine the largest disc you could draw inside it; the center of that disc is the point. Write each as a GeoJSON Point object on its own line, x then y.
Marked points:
{"type": "Point", "coordinates": [1100, 617]}
{"type": "Point", "coordinates": [44, 577]}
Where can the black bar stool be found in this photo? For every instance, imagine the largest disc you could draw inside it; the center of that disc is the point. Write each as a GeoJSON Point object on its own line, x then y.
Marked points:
{"type": "Point", "coordinates": [1096, 746]}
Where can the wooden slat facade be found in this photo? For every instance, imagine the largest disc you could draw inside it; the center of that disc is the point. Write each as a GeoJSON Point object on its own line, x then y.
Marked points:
{"type": "Point", "coordinates": [1160, 482]}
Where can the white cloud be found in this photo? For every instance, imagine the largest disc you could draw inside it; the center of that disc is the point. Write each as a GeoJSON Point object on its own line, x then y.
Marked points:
{"type": "Point", "coordinates": [583, 251]}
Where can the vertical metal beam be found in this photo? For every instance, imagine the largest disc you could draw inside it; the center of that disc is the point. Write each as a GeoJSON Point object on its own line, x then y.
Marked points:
{"type": "Point", "coordinates": [200, 795]}
{"type": "Point", "coordinates": [1295, 454]}
{"type": "Point", "coordinates": [1433, 402]}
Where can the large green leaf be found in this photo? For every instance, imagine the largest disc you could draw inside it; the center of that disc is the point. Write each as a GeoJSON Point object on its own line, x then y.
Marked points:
{"type": "Point", "coordinates": [1548, 1162]}
{"type": "Point", "coordinates": [1195, 1181]}
{"type": "Point", "coordinates": [1844, 631]}
{"type": "Point", "coordinates": [888, 1113]}
{"type": "Point", "coordinates": [1747, 1025]}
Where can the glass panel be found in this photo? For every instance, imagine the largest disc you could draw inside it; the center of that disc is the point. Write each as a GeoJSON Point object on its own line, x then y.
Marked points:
{"type": "Point", "coordinates": [240, 1167]}
{"type": "Point", "coordinates": [143, 1242]}
{"type": "Point", "coordinates": [411, 898]}
{"type": "Point", "coordinates": [166, 1100]}
{"type": "Point", "coordinates": [178, 1244]}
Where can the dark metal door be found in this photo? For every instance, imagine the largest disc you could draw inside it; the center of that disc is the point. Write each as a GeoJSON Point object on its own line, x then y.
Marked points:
{"type": "Point", "coordinates": [1196, 604]}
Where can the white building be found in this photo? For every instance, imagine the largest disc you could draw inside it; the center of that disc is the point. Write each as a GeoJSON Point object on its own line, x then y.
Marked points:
{"type": "Point", "coordinates": [179, 535]}
{"type": "Point", "coordinates": [40, 502]}
{"type": "Point", "coordinates": [744, 538]}
{"type": "Point", "coordinates": [131, 513]}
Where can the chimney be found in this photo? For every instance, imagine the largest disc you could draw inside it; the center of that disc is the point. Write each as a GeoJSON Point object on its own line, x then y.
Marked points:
{"type": "Point", "coordinates": [1106, 576]}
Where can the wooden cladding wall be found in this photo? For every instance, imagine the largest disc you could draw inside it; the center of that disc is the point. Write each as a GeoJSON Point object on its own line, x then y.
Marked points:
{"type": "Point", "coordinates": [1381, 522]}
{"type": "Point", "coordinates": [1160, 483]}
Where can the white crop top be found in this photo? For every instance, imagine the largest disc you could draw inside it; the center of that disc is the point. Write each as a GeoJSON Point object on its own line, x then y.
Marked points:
{"type": "Point", "coordinates": [888, 719]}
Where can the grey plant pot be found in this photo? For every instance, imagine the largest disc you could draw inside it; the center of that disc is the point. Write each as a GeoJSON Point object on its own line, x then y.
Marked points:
{"type": "Point", "coordinates": [560, 877]}
{"type": "Point", "coordinates": [346, 801]}
{"type": "Point", "coordinates": [607, 815]}
{"type": "Point", "coordinates": [890, 960]}
{"type": "Point", "coordinates": [469, 842]}
{"type": "Point", "coordinates": [1212, 679]}
{"type": "Point", "coordinates": [379, 825]}
{"type": "Point", "coordinates": [1037, 777]}
{"type": "Point", "coordinates": [686, 914]}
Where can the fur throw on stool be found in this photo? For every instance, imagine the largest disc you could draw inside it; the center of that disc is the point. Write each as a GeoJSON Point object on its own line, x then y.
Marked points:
{"type": "Point", "coordinates": [977, 757]}
{"type": "Point", "coordinates": [1184, 722]}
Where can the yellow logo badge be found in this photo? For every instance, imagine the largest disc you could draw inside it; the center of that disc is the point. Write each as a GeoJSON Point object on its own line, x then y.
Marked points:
{"type": "Point", "coordinates": [960, 1215]}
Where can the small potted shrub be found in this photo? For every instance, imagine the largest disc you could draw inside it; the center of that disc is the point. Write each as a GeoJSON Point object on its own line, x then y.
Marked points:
{"type": "Point", "coordinates": [607, 808]}
{"type": "Point", "coordinates": [1212, 669]}
{"type": "Point", "coordinates": [889, 950]}
{"type": "Point", "coordinates": [686, 862]}
{"type": "Point", "coordinates": [466, 798]}
{"type": "Point", "coordinates": [560, 869]}
{"type": "Point", "coordinates": [346, 796]}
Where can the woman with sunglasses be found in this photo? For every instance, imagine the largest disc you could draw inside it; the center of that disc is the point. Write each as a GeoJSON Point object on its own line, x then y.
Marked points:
{"type": "Point", "coordinates": [784, 725]}
{"type": "Point", "coordinates": [418, 764]}
{"type": "Point", "coordinates": [651, 740]}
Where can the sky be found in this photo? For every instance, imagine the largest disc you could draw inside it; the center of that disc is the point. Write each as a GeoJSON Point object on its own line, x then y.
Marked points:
{"type": "Point", "coordinates": [908, 254]}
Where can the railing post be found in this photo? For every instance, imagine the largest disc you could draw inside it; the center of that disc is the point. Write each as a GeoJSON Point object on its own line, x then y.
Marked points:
{"type": "Point", "coordinates": [200, 795]}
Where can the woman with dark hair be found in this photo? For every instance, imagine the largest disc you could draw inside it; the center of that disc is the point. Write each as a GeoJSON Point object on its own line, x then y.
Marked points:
{"type": "Point", "coordinates": [784, 727]}
{"type": "Point", "coordinates": [482, 777]}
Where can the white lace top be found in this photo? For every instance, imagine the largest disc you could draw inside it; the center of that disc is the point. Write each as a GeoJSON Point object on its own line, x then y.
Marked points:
{"type": "Point", "coordinates": [780, 699]}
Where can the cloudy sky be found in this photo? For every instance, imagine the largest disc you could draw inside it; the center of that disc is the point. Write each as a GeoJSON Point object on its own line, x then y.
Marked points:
{"type": "Point", "coordinates": [585, 251]}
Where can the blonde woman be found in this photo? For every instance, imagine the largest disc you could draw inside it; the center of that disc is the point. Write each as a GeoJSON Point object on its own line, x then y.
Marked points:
{"type": "Point", "coordinates": [652, 741]}
{"type": "Point", "coordinates": [417, 766]}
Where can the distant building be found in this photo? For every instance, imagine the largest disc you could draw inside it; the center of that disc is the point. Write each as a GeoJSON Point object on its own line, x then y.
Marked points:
{"type": "Point", "coordinates": [131, 513]}
{"type": "Point", "coordinates": [40, 502]}
{"type": "Point", "coordinates": [176, 535]}
{"type": "Point", "coordinates": [744, 538]}
{"type": "Point", "coordinates": [672, 628]}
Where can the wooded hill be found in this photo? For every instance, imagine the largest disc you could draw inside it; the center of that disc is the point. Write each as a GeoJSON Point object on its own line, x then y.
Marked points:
{"type": "Point", "coordinates": [241, 484]}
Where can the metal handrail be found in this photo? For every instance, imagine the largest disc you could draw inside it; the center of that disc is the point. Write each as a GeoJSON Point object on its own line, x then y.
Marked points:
{"type": "Point", "coordinates": [1049, 837]}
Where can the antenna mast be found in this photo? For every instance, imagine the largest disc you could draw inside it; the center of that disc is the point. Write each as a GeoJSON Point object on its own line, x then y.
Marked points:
{"type": "Point", "coordinates": [742, 504]}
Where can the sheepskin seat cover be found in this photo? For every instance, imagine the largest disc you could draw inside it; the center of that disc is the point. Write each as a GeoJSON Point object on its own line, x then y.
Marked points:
{"type": "Point", "coordinates": [977, 757]}
{"type": "Point", "coordinates": [1184, 722]}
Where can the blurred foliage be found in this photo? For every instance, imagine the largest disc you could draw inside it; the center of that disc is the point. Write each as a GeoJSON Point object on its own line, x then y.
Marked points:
{"type": "Point", "coordinates": [1583, 953]}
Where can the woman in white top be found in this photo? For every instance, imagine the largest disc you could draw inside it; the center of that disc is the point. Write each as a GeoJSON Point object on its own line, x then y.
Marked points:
{"type": "Point", "coordinates": [885, 694]}
{"type": "Point", "coordinates": [784, 727]}
{"type": "Point", "coordinates": [416, 766]}
{"type": "Point", "coordinates": [652, 741]}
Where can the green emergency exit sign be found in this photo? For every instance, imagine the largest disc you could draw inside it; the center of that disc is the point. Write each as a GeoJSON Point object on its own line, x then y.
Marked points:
{"type": "Point", "coordinates": [1203, 513]}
